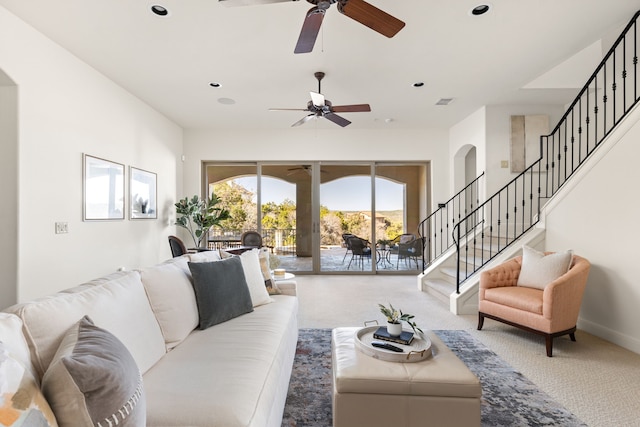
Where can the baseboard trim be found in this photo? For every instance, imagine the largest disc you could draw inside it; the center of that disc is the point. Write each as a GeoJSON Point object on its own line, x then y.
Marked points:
{"type": "Point", "coordinates": [615, 337]}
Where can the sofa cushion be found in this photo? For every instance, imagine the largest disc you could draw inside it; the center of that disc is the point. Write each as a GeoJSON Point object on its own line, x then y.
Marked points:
{"type": "Point", "coordinates": [255, 279]}
{"type": "Point", "coordinates": [119, 305]}
{"type": "Point", "coordinates": [538, 269]}
{"type": "Point", "coordinates": [221, 291]}
{"type": "Point", "coordinates": [93, 380]}
{"type": "Point", "coordinates": [21, 402]}
{"type": "Point", "coordinates": [172, 299]}
{"type": "Point", "coordinates": [243, 368]}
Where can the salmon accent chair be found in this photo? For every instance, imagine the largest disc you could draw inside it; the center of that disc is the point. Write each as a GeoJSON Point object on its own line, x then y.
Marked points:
{"type": "Point", "coordinates": [551, 312]}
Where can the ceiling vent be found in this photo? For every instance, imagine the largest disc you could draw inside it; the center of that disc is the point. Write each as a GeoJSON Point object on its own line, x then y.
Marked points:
{"type": "Point", "coordinates": [444, 101]}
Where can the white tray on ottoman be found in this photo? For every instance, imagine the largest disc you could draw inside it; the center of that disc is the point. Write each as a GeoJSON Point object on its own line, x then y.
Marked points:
{"type": "Point", "coordinates": [438, 391]}
{"type": "Point", "coordinates": [419, 349]}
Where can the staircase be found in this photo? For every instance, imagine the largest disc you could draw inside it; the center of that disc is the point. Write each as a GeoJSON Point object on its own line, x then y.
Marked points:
{"type": "Point", "coordinates": [485, 236]}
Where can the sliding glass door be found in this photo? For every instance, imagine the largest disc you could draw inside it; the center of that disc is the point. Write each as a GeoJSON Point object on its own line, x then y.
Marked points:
{"type": "Point", "coordinates": [345, 218]}
{"type": "Point", "coordinates": [322, 217]}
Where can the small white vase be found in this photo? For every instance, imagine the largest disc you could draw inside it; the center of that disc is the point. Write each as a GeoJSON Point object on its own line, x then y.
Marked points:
{"type": "Point", "coordinates": [394, 329]}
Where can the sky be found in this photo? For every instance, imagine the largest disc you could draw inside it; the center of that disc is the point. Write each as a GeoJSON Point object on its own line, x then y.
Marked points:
{"type": "Point", "coordinates": [346, 194]}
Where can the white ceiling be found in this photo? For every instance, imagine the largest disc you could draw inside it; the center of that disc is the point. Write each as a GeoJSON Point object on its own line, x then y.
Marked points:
{"type": "Point", "coordinates": [169, 62]}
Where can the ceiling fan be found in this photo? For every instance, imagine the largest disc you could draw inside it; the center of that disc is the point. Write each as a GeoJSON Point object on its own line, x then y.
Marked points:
{"type": "Point", "coordinates": [358, 10]}
{"type": "Point", "coordinates": [303, 168]}
{"type": "Point", "coordinates": [321, 107]}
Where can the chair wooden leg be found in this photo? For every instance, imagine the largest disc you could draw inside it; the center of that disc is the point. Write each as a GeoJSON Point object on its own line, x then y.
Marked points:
{"type": "Point", "coordinates": [572, 335]}
{"type": "Point", "coordinates": [480, 320]}
{"type": "Point", "coordinates": [549, 342]}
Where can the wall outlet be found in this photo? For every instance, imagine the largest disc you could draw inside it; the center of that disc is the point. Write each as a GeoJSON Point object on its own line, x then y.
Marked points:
{"type": "Point", "coordinates": [62, 227]}
{"type": "Point", "coordinates": [504, 164]}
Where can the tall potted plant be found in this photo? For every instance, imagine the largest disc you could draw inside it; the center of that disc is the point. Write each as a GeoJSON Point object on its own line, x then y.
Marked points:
{"type": "Point", "coordinates": [199, 216]}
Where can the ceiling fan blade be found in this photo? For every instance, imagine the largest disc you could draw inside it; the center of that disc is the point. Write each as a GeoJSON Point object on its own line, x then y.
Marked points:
{"type": "Point", "coordinates": [288, 109]}
{"type": "Point", "coordinates": [317, 99]}
{"type": "Point", "coordinates": [303, 120]}
{"type": "Point", "coordinates": [355, 108]}
{"type": "Point", "coordinates": [310, 30]}
{"type": "Point", "coordinates": [231, 3]}
{"type": "Point", "coordinates": [371, 16]}
{"type": "Point", "coordinates": [337, 119]}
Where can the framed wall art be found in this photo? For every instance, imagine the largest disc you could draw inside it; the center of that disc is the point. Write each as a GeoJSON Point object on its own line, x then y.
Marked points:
{"type": "Point", "coordinates": [142, 194]}
{"type": "Point", "coordinates": [525, 140]}
{"type": "Point", "coordinates": [103, 189]}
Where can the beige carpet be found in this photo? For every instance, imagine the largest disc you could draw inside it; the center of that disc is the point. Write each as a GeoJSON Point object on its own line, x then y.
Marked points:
{"type": "Point", "coordinates": [598, 381]}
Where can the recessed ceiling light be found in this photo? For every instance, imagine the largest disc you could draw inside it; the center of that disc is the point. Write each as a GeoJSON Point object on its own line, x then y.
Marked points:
{"type": "Point", "coordinates": [418, 84]}
{"type": "Point", "coordinates": [226, 101]}
{"type": "Point", "coordinates": [159, 10]}
{"type": "Point", "coordinates": [214, 84]}
{"type": "Point", "coordinates": [481, 9]}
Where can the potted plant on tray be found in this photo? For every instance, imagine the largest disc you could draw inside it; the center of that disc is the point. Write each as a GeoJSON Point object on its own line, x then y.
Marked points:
{"type": "Point", "coordinates": [199, 216]}
{"type": "Point", "coordinates": [395, 318]}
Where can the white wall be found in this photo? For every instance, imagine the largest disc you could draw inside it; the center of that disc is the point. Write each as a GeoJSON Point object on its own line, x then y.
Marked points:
{"type": "Point", "coordinates": [498, 129]}
{"type": "Point", "coordinates": [318, 145]}
{"type": "Point", "coordinates": [66, 108]}
{"type": "Point", "coordinates": [598, 219]}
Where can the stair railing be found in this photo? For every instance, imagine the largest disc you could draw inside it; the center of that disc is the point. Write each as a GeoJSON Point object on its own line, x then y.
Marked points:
{"type": "Point", "coordinates": [437, 227]}
{"type": "Point", "coordinates": [609, 95]}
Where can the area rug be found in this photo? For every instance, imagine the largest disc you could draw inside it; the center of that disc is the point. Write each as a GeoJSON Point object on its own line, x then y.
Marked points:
{"type": "Point", "coordinates": [508, 398]}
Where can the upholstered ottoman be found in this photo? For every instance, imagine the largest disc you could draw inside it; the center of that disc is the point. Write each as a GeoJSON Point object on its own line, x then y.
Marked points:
{"type": "Point", "coordinates": [439, 391]}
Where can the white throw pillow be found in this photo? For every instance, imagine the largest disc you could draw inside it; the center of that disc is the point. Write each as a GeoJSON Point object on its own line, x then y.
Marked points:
{"type": "Point", "coordinates": [205, 256]}
{"type": "Point", "coordinates": [255, 279]}
{"type": "Point", "coordinates": [172, 299]}
{"type": "Point", "coordinates": [538, 269]}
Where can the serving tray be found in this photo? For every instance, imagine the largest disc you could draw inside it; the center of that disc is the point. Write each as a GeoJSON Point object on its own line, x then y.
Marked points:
{"type": "Point", "coordinates": [418, 350]}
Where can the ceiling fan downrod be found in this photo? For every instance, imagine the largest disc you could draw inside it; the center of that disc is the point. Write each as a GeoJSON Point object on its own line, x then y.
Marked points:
{"type": "Point", "coordinates": [319, 75]}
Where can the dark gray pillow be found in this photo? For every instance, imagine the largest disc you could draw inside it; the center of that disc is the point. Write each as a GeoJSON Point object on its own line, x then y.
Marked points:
{"type": "Point", "coordinates": [94, 380]}
{"type": "Point", "coordinates": [221, 291]}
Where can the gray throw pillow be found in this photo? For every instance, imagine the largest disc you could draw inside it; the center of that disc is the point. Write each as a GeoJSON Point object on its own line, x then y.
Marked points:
{"type": "Point", "coordinates": [221, 291]}
{"type": "Point", "coordinates": [94, 380]}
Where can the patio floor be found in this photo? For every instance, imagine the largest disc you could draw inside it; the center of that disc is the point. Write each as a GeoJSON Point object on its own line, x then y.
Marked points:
{"type": "Point", "coordinates": [333, 259]}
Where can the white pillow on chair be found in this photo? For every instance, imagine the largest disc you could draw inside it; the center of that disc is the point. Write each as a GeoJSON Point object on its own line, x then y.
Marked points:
{"type": "Point", "coordinates": [538, 269]}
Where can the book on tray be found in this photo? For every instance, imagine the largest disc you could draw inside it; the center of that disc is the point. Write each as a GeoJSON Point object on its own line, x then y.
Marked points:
{"type": "Point", "coordinates": [404, 338]}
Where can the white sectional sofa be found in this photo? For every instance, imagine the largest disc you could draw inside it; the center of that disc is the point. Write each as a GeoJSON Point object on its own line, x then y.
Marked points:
{"type": "Point", "coordinates": [234, 373]}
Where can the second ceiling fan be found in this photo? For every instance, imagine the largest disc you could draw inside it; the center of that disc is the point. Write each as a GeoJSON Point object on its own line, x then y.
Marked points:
{"type": "Point", "coordinates": [321, 107]}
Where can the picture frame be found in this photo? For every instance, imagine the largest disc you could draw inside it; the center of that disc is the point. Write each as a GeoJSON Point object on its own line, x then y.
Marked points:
{"type": "Point", "coordinates": [525, 139]}
{"type": "Point", "coordinates": [102, 189]}
{"type": "Point", "coordinates": [142, 194]}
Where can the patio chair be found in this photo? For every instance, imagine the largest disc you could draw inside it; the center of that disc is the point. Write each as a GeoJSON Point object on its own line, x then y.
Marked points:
{"type": "Point", "coordinates": [251, 239]}
{"type": "Point", "coordinates": [359, 251]}
{"type": "Point", "coordinates": [410, 251]}
{"type": "Point", "coordinates": [395, 242]}
{"type": "Point", "coordinates": [177, 246]}
{"type": "Point", "coordinates": [346, 237]}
